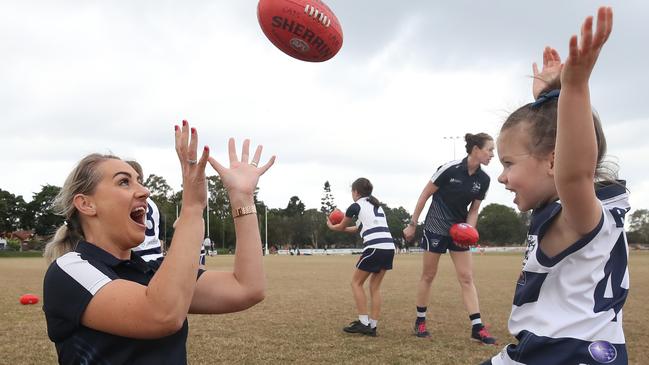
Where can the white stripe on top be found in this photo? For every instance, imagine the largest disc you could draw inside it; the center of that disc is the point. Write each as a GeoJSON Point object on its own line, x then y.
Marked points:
{"type": "Point", "coordinates": [83, 272]}
{"type": "Point", "coordinates": [443, 168]}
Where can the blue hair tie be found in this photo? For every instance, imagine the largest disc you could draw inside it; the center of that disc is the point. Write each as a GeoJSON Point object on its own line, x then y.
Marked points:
{"type": "Point", "coordinates": [545, 97]}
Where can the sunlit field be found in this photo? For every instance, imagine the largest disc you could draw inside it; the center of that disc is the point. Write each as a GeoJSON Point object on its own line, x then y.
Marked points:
{"type": "Point", "coordinates": [309, 301]}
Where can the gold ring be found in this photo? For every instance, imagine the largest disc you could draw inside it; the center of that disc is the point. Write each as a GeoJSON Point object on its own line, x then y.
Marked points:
{"type": "Point", "coordinates": [253, 163]}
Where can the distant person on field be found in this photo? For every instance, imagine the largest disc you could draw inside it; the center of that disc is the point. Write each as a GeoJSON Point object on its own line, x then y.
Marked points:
{"type": "Point", "coordinates": [455, 186]}
{"type": "Point", "coordinates": [377, 256]}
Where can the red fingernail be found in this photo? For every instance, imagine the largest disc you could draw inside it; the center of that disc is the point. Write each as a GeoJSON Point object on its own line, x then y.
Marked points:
{"type": "Point", "coordinates": [176, 128]}
{"type": "Point", "coordinates": [184, 123]}
{"type": "Point", "coordinates": [193, 130]}
{"type": "Point", "coordinates": [207, 149]}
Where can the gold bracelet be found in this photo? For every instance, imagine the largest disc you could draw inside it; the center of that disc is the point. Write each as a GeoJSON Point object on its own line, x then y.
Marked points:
{"type": "Point", "coordinates": [238, 212]}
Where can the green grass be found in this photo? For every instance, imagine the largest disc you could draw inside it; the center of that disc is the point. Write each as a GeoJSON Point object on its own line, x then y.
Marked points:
{"type": "Point", "coordinates": [309, 301]}
{"type": "Point", "coordinates": [21, 254]}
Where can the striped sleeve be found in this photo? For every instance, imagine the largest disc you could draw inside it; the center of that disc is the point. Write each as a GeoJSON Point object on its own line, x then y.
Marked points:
{"type": "Point", "coordinates": [69, 285]}
{"type": "Point", "coordinates": [442, 175]}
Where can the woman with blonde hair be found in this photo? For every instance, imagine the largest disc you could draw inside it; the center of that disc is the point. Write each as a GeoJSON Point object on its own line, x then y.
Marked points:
{"type": "Point", "coordinates": [103, 303]}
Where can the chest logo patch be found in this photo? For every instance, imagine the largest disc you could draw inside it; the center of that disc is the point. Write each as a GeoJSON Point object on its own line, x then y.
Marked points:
{"type": "Point", "coordinates": [476, 187]}
{"type": "Point", "coordinates": [602, 351]}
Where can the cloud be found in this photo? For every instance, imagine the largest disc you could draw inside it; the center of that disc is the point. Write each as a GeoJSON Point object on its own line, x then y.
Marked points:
{"type": "Point", "coordinates": [116, 76]}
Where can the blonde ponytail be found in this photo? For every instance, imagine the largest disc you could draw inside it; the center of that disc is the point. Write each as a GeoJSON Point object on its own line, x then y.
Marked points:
{"type": "Point", "coordinates": [59, 245]}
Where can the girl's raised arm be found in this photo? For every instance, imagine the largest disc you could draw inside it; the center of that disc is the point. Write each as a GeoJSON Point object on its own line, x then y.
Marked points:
{"type": "Point", "coordinates": [576, 151]}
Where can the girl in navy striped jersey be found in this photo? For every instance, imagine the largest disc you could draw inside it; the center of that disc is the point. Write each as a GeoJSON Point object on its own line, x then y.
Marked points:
{"type": "Point", "coordinates": [377, 256]}
{"type": "Point", "coordinates": [568, 300]}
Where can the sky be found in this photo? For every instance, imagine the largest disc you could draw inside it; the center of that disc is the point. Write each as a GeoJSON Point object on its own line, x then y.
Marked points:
{"type": "Point", "coordinates": [78, 77]}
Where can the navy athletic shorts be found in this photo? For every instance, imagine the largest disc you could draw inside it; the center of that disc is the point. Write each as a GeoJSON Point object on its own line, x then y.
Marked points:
{"type": "Point", "coordinates": [438, 243]}
{"type": "Point", "coordinates": [375, 260]}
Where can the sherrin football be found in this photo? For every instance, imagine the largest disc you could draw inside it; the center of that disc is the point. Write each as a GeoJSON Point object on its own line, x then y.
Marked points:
{"type": "Point", "coordinates": [304, 29]}
{"type": "Point", "coordinates": [336, 216]}
{"type": "Point", "coordinates": [464, 234]}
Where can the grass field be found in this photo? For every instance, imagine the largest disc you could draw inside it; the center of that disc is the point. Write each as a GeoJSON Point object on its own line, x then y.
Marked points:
{"type": "Point", "coordinates": [309, 301]}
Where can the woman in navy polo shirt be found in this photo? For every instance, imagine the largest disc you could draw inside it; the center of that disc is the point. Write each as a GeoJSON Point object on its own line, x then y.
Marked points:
{"type": "Point", "coordinates": [102, 302]}
{"type": "Point", "coordinates": [454, 187]}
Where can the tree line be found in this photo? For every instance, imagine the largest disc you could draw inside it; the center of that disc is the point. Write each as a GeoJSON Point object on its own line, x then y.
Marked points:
{"type": "Point", "coordinates": [293, 226]}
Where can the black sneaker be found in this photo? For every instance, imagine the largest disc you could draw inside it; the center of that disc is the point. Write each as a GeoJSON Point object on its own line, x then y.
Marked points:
{"type": "Point", "coordinates": [358, 327]}
{"type": "Point", "coordinates": [420, 330]}
{"type": "Point", "coordinates": [372, 332]}
{"type": "Point", "coordinates": [483, 336]}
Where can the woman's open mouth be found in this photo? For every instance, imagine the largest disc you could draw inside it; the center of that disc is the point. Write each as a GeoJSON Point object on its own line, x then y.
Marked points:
{"type": "Point", "coordinates": [138, 215]}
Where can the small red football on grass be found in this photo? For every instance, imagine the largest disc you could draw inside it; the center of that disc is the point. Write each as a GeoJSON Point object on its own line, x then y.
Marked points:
{"type": "Point", "coordinates": [336, 216]}
{"type": "Point", "coordinates": [304, 29]}
{"type": "Point", "coordinates": [463, 234]}
{"type": "Point", "coordinates": [28, 299]}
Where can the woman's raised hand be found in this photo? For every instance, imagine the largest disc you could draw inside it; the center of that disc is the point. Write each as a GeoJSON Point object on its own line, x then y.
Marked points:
{"type": "Point", "coordinates": [241, 178]}
{"type": "Point", "coordinates": [193, 169]}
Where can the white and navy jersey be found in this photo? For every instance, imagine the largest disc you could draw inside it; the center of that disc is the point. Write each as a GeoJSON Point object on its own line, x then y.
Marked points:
{"type": "Point", "coordinates": [151, 248]}
{"type": "Point", "coordinates": [456, 190]}
{"type": "Point", "coordinates": [71, 282]}
{"type": "Point", "coordinates": [371, 223]}
{"type": "Point", "coordinates": [204, 247]}
{"type": "Point", "coordinates": [568, 309]}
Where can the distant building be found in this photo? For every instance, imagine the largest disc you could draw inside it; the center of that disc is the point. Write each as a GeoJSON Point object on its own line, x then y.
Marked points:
{"type": "Point", "coordinates": [22, 236]}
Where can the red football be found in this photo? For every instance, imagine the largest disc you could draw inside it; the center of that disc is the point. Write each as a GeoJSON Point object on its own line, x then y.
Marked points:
{"type": "Point", "coordinates": [28, 299]}
{"type": "Point", "coordinates": [464, 234]}
{"type": "Point", "coordinates": [305, 29]}
{"type": "Point", "coordinates": [336, 216]}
